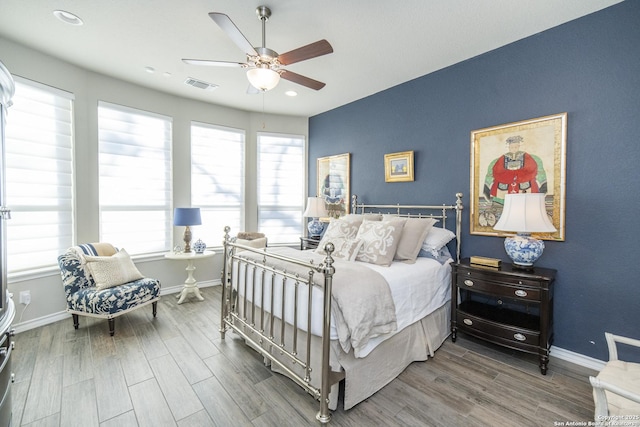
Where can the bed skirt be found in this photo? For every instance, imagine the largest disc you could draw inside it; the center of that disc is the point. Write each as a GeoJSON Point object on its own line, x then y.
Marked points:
{"type": "Point", "coordinates": [365, 376]}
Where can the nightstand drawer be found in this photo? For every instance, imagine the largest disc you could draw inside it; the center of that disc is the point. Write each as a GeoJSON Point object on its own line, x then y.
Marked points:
{"type": "Point", "coordinates": [502, 289]}
{"type": "Point", "coordinates": [500, 331]}
{"type": "Point", "coordinates": [493, 276]}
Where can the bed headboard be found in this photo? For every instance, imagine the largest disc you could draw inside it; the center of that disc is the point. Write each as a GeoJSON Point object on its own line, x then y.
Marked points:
{"type": "Point", "coordinates": [440, 212]}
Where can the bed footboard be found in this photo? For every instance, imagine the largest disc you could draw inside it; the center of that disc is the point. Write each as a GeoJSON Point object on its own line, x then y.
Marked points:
{"type": "Point", "coordinates": [251, 286]}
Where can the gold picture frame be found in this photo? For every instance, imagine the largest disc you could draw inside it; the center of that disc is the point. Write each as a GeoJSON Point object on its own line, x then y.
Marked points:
{"type": "Point", "coordinates": [525, 156]}
{"type": "Point", "coordinates": [333, 183]}
{"type": "Point", "coordinates": [398, 167]}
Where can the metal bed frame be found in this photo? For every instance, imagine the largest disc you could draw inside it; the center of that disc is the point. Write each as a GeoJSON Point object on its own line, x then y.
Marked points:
{"type": "Point", "coordinates": [256, 325]}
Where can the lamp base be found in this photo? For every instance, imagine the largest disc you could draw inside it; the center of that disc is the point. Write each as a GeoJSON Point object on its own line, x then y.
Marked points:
{"type": "Point", "coordinates": [315, 228]}
{"type": "Point", "coordinates": [523, 249]}
{"type": "Point", "coordinates": [187, 240]}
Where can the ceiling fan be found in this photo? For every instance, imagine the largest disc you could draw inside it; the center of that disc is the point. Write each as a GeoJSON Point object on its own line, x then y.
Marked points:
{"type": "Point", "coordinates": [263, 64]}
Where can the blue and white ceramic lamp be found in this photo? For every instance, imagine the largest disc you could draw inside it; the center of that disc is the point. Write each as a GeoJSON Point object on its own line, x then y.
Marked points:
{"type": "Point", "coordinates": [524, 213]}
{"type": "Point", "coordinates": [315, 210]}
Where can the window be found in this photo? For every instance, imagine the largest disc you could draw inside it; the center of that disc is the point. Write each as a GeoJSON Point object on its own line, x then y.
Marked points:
{"type": "Point", "coordinates": [281, 179]}
{"type": "Point", "coordinates": [39, 176]}
{"type": "Point", "coordinates": [134, 157]}
{"type": "Point", "coordinates": [217, 180]}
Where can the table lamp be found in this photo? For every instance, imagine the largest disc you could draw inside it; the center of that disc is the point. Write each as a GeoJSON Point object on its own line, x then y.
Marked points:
{"type": "Point", "coordinates": [187, 217]}
{"type": "Point", "coordinates": [524, 213]}
{"type": "Point", "coordinates": [315, 209]}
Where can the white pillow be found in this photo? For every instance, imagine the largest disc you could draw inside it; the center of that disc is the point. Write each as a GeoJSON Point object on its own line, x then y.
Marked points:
{"type": "Point", "coordinates": [344, 248]}
{"type": "Point", "coordinates": [413, 235]}
{"type": "Point", "coordinates": [436, 238]}
{"type": "Point", "coordinates": [380, 240]}
{"type": "Point", "coordinates": [345, 228]}
{"type": "Point", "coordinates": [363, 217]}
{"type": "Point", "coordinates": [114, 270]}
{"type": "Point", "coordinates": [259, 243]}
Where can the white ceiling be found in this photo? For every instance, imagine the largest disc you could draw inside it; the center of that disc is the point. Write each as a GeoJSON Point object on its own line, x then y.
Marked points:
{"type": "Point", "coordinates": [377, 43]}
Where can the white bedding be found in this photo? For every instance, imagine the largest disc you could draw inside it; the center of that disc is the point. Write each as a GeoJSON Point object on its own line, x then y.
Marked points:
{"type": "Point", "coordinates": [417, 290]}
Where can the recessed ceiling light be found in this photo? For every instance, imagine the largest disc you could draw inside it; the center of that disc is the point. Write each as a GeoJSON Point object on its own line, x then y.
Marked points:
{"type": "Point", "coordinates": [150, 70]}
{"type": "Point", "coordinates": [67, 17]}
{"type": "Point", "coordinates": [291, 93]}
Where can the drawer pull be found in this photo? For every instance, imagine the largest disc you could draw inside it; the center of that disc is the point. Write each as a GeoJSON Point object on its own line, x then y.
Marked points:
{"type": "Point", "coordinates": [519, 337]}
{"type": "Point", "coordinates": [468, 282]}
{"type": "Point", "coordinates": [521, 293]}
{"type": "Point", "coordinates": [468, 322]}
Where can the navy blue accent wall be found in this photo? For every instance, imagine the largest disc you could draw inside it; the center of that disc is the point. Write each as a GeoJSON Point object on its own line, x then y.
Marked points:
{"type": "Point", "coordinates": [589, 68]}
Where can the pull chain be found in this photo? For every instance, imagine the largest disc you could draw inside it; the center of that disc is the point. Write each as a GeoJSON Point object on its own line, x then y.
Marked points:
{"type": "Point", "coordinates": [263, 121]}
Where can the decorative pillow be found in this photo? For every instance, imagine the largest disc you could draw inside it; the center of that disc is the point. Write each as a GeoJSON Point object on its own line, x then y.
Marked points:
{"type": "Point", "coordinates": [344, 248]}
{"type": "Point", "coordinates": [365, 217]}
{"type": "Point", "coordinates": [259, 243]}
{"type": "Point", "coordinates": [344, 228]}
{"type": "Point", "coordinates": [379, 241]}
{"type": "Point", "coordinates": [436, 238]}
{"type": "Point", "coordinates": [114, 270]}
{"type": "Point", "coordinates": [443, 255]}
{"type": "Point", "coordinates": [413, 234]}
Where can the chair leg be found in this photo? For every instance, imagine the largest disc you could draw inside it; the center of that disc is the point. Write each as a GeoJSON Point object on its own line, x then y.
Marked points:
{"type": "Point", "coordinates": [75, 321]}
{"type": "Point", "coordinates": [112, 326]}
{"type": "Point", "coordinates": [155, 308]}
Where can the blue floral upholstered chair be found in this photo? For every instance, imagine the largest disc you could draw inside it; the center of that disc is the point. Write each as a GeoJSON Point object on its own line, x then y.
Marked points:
{"type": "Point", "coordinates": [101, 281]}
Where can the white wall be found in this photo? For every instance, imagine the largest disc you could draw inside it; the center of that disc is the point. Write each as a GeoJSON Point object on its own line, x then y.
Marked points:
{"type": "Point", "coordinates": [47, 296]}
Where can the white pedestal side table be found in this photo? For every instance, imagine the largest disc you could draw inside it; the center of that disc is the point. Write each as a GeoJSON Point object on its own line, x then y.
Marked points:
{"type": "Point", "coordinates": [190, 285]}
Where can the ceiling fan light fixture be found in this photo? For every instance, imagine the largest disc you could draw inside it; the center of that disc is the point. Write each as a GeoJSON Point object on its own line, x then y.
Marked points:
{"type": "Point", "coordinates": [263, 78]}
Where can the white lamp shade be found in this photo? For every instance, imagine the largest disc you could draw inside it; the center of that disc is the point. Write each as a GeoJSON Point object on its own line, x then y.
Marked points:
{"type": "Point", "coordinates": [315, 208]}
{"type": "Point", "coordinates": [263, 79]}
{"type": "Point", "coordinates": [526, 213]}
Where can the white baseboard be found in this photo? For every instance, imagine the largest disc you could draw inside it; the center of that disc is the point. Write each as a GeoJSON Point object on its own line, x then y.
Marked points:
{"type": "Point", "coordinates": [62, 315]}
{"type": "Point", "coordinates": [577, 358]}
{"type": "Point", "coordinates": [40, 321]}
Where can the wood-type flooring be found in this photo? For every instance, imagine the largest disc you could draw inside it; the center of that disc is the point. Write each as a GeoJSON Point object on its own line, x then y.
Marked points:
{"type": "Point", "coordinates": [175, 371]}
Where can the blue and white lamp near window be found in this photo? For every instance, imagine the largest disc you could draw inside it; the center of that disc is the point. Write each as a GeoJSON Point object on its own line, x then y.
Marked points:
{"type": "Point", "coordinates": [315, 210]}
{"type": "Point", "coordinates": [524, 213]}
{"type": "Point", "coordinates": [186, 217]}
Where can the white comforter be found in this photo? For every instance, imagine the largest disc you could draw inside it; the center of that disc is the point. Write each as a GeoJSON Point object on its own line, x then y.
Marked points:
{"type": "Point", "coordinates": [416, 289]}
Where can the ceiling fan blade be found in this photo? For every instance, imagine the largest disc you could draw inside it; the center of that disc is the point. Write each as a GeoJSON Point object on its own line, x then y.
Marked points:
{"type": "Point", "coordinates": [211, 63]}
{"type": "Point", "coordinates": [301, 80]}
{"type": "Point", "coordinates": [319, 48]}
{"type": "Point", "coordinates": [227, 25]}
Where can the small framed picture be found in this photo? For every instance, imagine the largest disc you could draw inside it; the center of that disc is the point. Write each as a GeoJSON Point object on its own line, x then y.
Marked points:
{"type": "Point", "coordinates": [398, 167]}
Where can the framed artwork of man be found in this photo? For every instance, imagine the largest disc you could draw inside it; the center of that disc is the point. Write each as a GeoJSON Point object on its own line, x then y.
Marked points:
{"type": "Point", "coordinates": [521, 157]}
{"type": "Point", "coordinates": [333, 183]}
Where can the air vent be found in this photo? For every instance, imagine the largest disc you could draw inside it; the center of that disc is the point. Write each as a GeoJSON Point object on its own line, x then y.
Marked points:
{"type": "Point", "coordinates": [200, 84]}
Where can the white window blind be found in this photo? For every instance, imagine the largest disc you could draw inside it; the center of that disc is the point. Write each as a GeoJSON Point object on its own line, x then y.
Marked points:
{"type": "Point", "coordinates": [217, 180]}
{"type": "Point", "coordinates": [281, 181]}
{"type": "Point", "coordinates": [134, 150]}
{"type": "Point", "coordinates": [39, 176]}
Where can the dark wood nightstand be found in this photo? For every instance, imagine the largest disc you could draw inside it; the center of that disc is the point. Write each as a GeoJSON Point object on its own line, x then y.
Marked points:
{"type": "Point", "coordinates": [507, 306]}
{"type": "Point", "coordinates": [309, 243]}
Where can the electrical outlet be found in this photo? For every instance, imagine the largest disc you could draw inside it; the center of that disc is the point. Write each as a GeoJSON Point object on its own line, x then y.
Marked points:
{"type": "Point", "coordinates": [25, 297]}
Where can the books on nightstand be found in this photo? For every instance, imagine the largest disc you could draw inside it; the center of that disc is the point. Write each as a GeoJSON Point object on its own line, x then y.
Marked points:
{"type": "Point", "coordinates": [485, 261]}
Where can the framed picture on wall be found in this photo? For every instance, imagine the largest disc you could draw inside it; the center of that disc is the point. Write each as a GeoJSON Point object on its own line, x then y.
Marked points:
{"type": "Point", "coordinates": [522, 157]}
{"type": "Point", "coordinates": [333, 183]}
{"type": "Point", "coordinates": [398, 167]}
